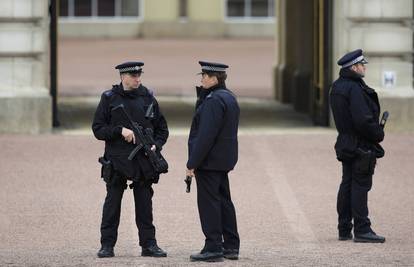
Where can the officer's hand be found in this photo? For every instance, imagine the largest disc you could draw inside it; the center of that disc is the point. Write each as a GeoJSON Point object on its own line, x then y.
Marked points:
{"type": "Point", "coordinates": [153, 148]}
{"type": "Point", "coordinates": [190, 172]}
{"type": "Point", "coordinates": [128, 135]}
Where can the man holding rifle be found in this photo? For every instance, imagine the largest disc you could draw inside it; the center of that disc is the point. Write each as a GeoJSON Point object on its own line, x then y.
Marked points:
{"type": "Point", "coordinates": [356, 112]}
{"type": "Point", "coordinates": [130, 122]}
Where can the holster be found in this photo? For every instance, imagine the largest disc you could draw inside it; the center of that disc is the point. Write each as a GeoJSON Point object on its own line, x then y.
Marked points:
{"type": "Point", "coordinates": [107, 170]}
{"type": "Point", "coordinates": [365, 162]}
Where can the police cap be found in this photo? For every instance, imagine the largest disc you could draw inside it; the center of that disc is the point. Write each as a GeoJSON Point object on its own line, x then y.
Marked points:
{"type": "Point", "coordinates": [212, 67]}
{"type": "Point", "coordinates": [130, 67]}
{"type": "Point", "coordinates": [352, 58]}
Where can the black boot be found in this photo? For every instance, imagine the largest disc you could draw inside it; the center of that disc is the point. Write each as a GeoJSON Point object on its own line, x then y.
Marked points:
{"type": "Point", "coordinates": [231, 254]}
{"type": "Point", "coordinates": [344, 237]}
{"type": "Point", "coordinates": [153, 251]}
{"type": "Point", "coordinates": [369, 237]}
{"type": "Point", "coordinates": [106, 252]}
{"type": "Point", "coordinates": [207, 256]}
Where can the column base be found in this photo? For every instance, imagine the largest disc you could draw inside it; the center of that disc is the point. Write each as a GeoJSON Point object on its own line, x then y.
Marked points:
{"type": "Point", "coordinates": [25, 112]}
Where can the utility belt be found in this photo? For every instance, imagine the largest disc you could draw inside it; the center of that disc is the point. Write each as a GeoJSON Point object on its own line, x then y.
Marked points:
{"type": "Point", "coordinates": [111, 176]}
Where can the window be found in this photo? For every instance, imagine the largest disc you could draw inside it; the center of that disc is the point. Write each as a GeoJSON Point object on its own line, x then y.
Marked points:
{"type": "Point", "coordinates": [129, 8]}
{"type": "Point", "coordinates": [250, 8]}
{"type": "Point", "coordinates": [182, 9]}
{"type": "Point", "coordinates": [63, 8]}
{"type": "Point", "coordinates": [83, 8]}
{"type": "Point", "coordinates": [106, 8]}
{"type": "Point", "coordinates": [99, 8]}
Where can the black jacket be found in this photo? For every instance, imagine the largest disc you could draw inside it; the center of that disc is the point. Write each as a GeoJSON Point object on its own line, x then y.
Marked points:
{"type": "Point", "coordinates": [356, 112]}
{"type": "Point", "coordinates": [212, 143]}
{"type": "Point", "coordinates": [107, 126]}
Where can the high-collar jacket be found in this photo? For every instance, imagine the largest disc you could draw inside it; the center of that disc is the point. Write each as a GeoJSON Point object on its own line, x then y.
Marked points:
{"type": "Point", "coordinates": [107, 125]}
{"type": "Point", "coordinates": [212, 143]}
{"type": "Point", "coordinates": [356, 110]}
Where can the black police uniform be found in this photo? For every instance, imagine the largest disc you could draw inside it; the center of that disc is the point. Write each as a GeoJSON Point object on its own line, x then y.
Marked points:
{"type": "Point", "coordinates": [356, 112]}
{"type": "Point", "coordinates": [106, 127]}
{"type": "Point", "coordinates": [213, 152]}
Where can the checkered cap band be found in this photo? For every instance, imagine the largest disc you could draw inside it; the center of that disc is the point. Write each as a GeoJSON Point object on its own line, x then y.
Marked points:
{"type": "Point", "coordinates": [350, 63]}
{"type": "Point", "coordinates": [213, 69]}
{"type": "Point", "coordinates": [129, 69]}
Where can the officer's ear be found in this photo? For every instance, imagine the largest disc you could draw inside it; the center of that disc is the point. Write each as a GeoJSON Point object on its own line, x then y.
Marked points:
{"type": "Point", "coordinates": [353, 68]}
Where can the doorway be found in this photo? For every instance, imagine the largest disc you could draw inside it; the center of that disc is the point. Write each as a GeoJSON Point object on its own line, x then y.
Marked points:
{"type": "Point", "coordinates": [303, 73]}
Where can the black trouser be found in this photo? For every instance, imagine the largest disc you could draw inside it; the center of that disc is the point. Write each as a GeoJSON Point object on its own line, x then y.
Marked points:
{"type": "Point", "coordinates": [217, 213]}
{"type": "Point", "coordinates": [112, 210]}
{"type": "Point", "coordinates": [352, 202]}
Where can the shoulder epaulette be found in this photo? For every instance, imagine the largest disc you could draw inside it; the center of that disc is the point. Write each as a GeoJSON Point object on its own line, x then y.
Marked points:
{"type": "Point", "coordinates": [108, 93]}
{"type": "Point", "coordinates": [220, 91]}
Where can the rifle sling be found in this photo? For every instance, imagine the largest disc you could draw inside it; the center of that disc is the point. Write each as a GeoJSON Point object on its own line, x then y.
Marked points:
{"type": "Point", "coordinates": [139, 114]}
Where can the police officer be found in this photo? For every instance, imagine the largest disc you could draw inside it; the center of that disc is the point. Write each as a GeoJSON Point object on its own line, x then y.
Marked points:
{"type": "Point", "coordinates": [356, 112]}
{"type": "Point", "coordinates": [212, 146]}
{"type": "Point", "coordinates": [142, 107]}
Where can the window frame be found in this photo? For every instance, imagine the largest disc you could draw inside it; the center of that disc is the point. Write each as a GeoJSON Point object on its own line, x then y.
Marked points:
{"type": "Point", "coordinates": [95, 18]}
{"type": "Point", "coordinates": [250, 18]}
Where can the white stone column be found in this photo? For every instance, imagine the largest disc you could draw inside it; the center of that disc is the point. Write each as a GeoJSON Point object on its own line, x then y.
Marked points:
{"type": "Point", "coordinates": [25, 102]}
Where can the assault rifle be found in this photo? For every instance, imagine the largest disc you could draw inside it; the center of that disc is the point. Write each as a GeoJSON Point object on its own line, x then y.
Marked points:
{"type": "Point", "coordinates": [144, 140]}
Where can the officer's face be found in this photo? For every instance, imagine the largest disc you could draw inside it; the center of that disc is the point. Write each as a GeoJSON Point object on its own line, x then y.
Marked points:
{"type": "Point", "coordinates": [359, 68]}
{"type": "Point", "coordinates": [131, 80]}
{"type": "Point", "coordinates": [208, 81]}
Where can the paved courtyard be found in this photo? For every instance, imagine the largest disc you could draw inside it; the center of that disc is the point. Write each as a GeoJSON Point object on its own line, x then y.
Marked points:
{"type": "Point", "coordinates": [86, 66]}
{"type": "Point", "coordinates": [284, 186]}
{"type": "Point", "coordinates": [284, 189]}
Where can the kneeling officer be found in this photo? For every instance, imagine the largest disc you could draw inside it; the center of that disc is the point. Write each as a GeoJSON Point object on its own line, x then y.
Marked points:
{"type": "Point", "coordinates": [128, 119]}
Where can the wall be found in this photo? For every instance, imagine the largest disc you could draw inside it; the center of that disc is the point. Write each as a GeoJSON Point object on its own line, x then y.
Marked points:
{"type": "Point", "coordinates": [383, 29]}
{"type": "Point", "coordinates": [25, 103]}
{"type": "Point", "coordinates": [160, 19]}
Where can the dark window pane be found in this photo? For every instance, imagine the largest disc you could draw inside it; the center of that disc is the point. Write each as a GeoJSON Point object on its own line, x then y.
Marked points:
{"type": "Point", "coordinates": [129, 8]}
{"type": "Point", "coordinates": [259, 8]}
{"type": "Point", "coordinates": [83, 8]}
{"type": "Point", "coordinates": [271, 8]}
{"type": "Point", "coordinates": [63, 8]}
{"type": "Point", "coordinates": [235, 8]}
{"type": "Point", "coordinates": [183, 9]}
{"type": "Point", "coordinates": [106, 8]}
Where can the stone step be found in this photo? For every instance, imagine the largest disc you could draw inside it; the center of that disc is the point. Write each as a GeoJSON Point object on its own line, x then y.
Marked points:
{"type": "Point", "coordinates": [77, 112]}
